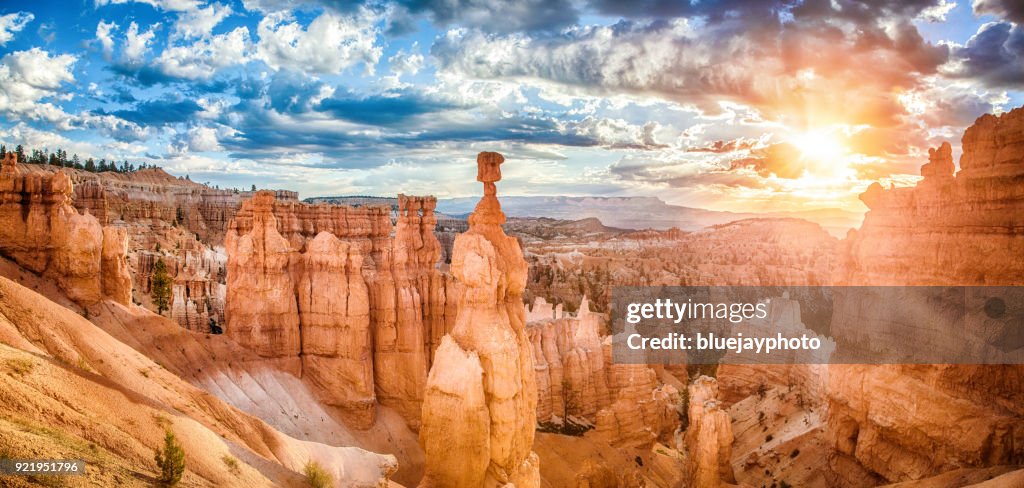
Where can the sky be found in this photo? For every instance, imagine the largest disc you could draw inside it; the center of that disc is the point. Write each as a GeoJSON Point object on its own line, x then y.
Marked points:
{"type": "Point", "coordinates": [744, 105]}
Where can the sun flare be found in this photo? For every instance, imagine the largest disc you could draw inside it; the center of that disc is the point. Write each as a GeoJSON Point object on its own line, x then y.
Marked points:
{"type": "Point", "coordinates": [821, 147]}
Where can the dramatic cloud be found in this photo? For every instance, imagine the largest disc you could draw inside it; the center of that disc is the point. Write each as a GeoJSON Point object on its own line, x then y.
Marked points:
{"type": "Point", "coordinates": [499, 15]}
{"type": "Point", "coordinates": [402, 63]}
{"type": "Point", "coordinates": [711, 103]}
{"type": "Point", "coordinates": [1012, 10]}
{"type": "Point", "coordinates": [994, 55]}
{"type": "Point", "coordinates": [781, 68]}
{"type": "Point", "coordinates": [161, 112]}
{"type": "Point", "coordinates": [11, 24]}
{"type": "Point", "coordinates": [331, 43]}
{"type": "Point", "coordinates": [782, 159]}
{"type": "Point", "coordinates": [381, 110]}
{"type": "Point", "coordinates": [29, 77]}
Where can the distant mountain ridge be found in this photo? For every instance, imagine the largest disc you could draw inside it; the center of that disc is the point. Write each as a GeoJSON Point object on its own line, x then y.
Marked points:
{"type": "Point", "coordinates": [642, 212]}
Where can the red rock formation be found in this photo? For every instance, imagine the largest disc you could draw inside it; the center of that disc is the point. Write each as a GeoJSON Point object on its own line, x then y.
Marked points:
{"type": "Point", "coordinates": [913, 421]}
{"type": "Point", "coordinates": [642, 410]}
{"type": "Point", "coordinates": [335, 277]}
{"type": "Point", "coordinates": [479, 411]}
{"type": "Point", "coordinates": [41, 231]}
{"type": "Point", "coordinates": [709, 437]}
{"type": "Point", "coordinates": [334, 316]}
{"type": "Point", "coordinates": [569, 363]}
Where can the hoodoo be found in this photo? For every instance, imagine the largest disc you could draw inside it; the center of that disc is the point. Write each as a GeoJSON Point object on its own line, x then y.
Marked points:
{"type": "Point", "coordinates": [480, 405]}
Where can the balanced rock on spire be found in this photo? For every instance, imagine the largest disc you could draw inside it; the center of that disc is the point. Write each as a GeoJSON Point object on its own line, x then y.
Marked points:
{"type": "Point", "coordinates": [480, 406]}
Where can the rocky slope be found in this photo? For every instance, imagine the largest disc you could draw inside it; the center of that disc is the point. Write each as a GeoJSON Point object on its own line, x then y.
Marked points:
{"type": "Point", "coordinates": [71, 390]}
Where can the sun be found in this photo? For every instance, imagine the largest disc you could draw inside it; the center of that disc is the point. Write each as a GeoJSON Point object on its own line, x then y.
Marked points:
{"type": "Point", "coordinates": [820, 147]}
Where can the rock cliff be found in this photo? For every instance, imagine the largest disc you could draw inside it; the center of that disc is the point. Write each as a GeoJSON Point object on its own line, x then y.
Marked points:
{"type": "Point", "coordinates": [41, 231]}
{"type": "Point", "coordinates": [569, 363]}
{"type": "Point", "coordinates": [479, 410]}
{"type": "Point", "coordinates": [709, 437]}
{"type": "Point", "coordinates": [912, 421]}
{"type": "Point", "coordinates": [331, 294]}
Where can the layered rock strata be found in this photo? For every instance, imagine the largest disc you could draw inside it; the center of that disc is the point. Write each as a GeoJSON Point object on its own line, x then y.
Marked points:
{"type": "Point", "coordinates": [709, 437]}
{"type": "Point", "coordinates": [41, 231]}
{"type": "Point", "coordinates": [569, 363]}
{"type": "Point", "coordinates": [479, 410]}
{"type": "Point", "coordinates": [912, 421]}
{"type": "Point", "coordinates": [330, 293]}
{"type": "Point", "coordinates": [169, 218]}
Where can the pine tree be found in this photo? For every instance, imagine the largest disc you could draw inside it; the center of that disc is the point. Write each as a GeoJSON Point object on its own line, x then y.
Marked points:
{"type": "Point", "coordinates": [90, 165]}
{"type": "Point", "coordinates": [170, 461]}
{"type": "Point", "coordinates": [160, 287]}
{"type": "Point", "coordinates": [20, 151]}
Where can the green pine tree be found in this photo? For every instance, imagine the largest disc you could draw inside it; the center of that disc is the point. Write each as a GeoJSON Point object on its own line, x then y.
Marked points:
{"type": "Point", "coordinates": [160, 287]}
{"type": "Point", "coordinates": [170, 461]}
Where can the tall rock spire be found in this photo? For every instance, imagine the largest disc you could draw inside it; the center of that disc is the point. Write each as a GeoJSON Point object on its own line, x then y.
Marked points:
{"type": "Point", "coordinates": [480, 406]}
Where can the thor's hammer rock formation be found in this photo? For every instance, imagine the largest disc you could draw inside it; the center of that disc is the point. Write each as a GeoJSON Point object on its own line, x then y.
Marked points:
{"type": "Point", "coordinates": [480, 405]}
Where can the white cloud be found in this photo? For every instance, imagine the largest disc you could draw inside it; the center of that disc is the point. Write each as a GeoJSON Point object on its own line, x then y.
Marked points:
{"type": "Point", "coordinates": [23, 134]}
{"type": "Point", "coordinates": [402, 63]}
{"type": "Point", "coordinates": [104, 31]}
{"type": "Point", "coordinates": [167, 5]}
{"type": "Point", "coordinates": [113, 126]}
{"type": "Point", "coordinates": [13, 23]}
{"type": "Point", "coordinates": [28, 77]}
{"type": "Point", "coordinates": [200, 139]}
{"type": "Point", "coordinates": [203, 58]}
{"type": "Point", "coordinates": [200, 22]}
{"type": "Point", "coordinates": [137, 44]}
{"type": "Point", "coordinates": [617, 133]}
{"type": "Point", "coordinates": [937, 12]}
{"type": "Point", "coordinates": [330, 44]}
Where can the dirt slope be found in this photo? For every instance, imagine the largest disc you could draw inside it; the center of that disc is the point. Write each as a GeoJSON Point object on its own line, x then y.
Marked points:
{"type": "Point", "coordinates": [69, 389]}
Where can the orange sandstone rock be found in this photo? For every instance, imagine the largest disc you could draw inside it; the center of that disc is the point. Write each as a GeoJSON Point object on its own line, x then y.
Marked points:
{"type": "Point", "coordinates": [479, 410]}
{"type": "Point", "coordinates": [41, 231]}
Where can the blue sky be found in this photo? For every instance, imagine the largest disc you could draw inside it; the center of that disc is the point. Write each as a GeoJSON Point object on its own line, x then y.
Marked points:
{"type": "Point", "coordinates": [737, 105]}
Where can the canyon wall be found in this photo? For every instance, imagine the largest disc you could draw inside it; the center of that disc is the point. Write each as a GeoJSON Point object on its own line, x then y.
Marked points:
{"type": "Point", "coordinates": [479, 412]}
{"type": "Point", "coordinates": [579, 387]}
{"type": "Point", "coordinates": [330, 294]}
{"type": "Point", "coordinates": [911, 421]}
{"type": "Point", "coordinates": [41, 231]}
{"type": "Point", "coordinates": [166, 218]}
{"type": "Point", "coordinates": [709, 437]}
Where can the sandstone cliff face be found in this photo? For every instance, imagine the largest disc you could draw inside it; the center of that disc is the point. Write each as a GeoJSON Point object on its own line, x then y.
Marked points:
{"type": "Point", "coordinates": [642, 410]}
{"type": "Point", "coordinates": [41, 231]}
{"type": "Point", "coordinates": [909, 422]}
{"type": "Point", "coordinates": [709, 437]}
{"type": "Point", "coordinates": [479, 411]}
{"type": "Point", "coordinates": [569, 364]}
{"type": "Point", "coordinates": [578, 385]}
{"type": "Point", "coordinates": [173, 219]}
{"type": "Point", "coordinates": [329, 284]}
